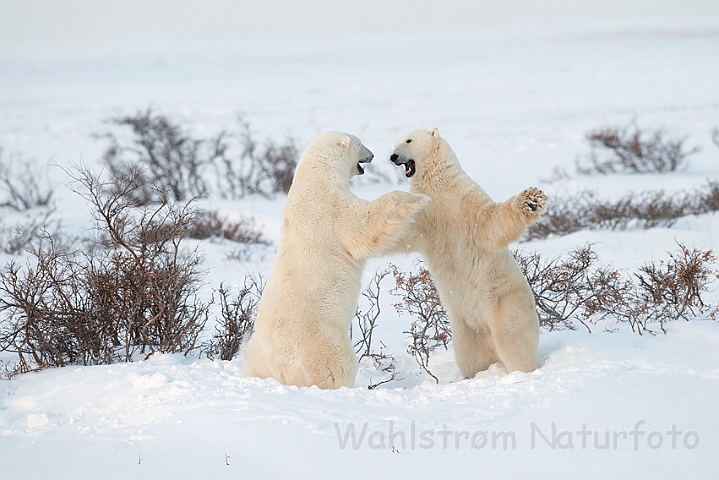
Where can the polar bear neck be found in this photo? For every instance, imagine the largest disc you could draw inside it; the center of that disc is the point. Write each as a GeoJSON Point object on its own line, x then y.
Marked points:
{"type": "Point", "coordinates": [441, 171]}
{"type": "Point", "coordinates": [321, 171]}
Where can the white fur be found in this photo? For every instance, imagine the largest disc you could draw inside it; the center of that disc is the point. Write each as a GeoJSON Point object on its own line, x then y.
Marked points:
{"type": "Point", "coordinates": [463, 236]}
{"type": "Point", "coordinates": [302, 328]}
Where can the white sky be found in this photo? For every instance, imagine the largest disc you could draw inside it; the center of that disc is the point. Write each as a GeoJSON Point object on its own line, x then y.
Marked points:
{"type": "Point", "coordinates": [91, 21]}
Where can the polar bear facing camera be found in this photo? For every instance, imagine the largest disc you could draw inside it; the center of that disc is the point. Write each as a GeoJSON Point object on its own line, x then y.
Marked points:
{"type": "Point", "coordinates": [302, 328]}
{"type": "Point", "coordinates": [463, 236]}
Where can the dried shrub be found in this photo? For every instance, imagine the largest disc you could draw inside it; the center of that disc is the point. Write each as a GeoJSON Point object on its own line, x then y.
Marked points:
{"type": "Point", "coordinates": [579, 288]}
{"type": "Point", "coordinates": [245, 253]}
{"type": "Point", "coordinates": [134, 291]}
{"type": "Point", "coordinates": [385, 362]}
{"type": "Point", "coordinates": [672, 290]}
{"type": "Point", "coordinates": [172, 162]}
{"type": "Point", "coordinates": [25, 190]}
{"type": "Point", "coordinates": [17, 237]}
{"type": "Point", "coordinates": [629, 150]}
{"type": "Point", "coordinates": [206, 224]}
{"type": "Point", "coordinates": [237, 319]}
{"type": "Point", "coordinates": [245, 232]}
{"type": "Point", "coordinates": [381, 359]}
{"type": "Point", "coordinates": [633, 211]}
{"type": "Point", "coordinates": [147, 282]}
{"type": "Point", "coordinates": [209, 224]}
{"type": "Point", "coordinates": [179, 166]}
{"type": "Point", "coordinates": [708, 200]}
{"type": "Point", "coordinates": [430, 328]}
{"type": "Point", "coordinates": [575, 288]}
{"type": "Point", "coordinates": [252, 170]}
{"type": "Point", "coordinates": [24, 186]}
{"type": "Point", "coordinates": [367, 321]}
{"type": "Point", "coordinates": [40, 303]}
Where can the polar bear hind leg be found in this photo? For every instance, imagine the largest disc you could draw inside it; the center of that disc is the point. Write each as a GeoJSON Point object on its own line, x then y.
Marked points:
{"type": "Point", "coordinates": [515, 333]}
{"type": "Point", "coordinates": [473, 349]}
{"type": "Point", "coordinates": [256, 365]}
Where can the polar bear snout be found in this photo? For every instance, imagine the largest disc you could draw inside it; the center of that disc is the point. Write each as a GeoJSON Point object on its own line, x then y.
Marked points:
{"type": "Point", "coordinates": [366, 156]}
{"type": "Point", "coordinates": [367, 159]}
{"type": "Point", "coordinates": [410, 167]}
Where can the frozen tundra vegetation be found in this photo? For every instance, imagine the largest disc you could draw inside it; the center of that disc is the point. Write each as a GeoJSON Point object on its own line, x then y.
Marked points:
{"type": "Point", "coordinates": [135, 247]}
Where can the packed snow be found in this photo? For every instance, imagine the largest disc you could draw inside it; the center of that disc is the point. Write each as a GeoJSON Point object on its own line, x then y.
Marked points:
{"type": "Point", "coordinates": [514, 104]}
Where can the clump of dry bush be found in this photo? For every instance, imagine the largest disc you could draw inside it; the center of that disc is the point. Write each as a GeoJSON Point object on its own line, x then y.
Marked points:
{"type": "Point", "coordinates": [26, 202]}
{"type": "Point", "coordinates": [430, 328]}
{"type": "Point", "coordinates": [245, 232]}
{"type": "Point", "coordinates": [138, 259]}
{"type": "Point", "coordinates": [629, 150]}
{"type": "Point", "coordinates": [171, 161]}
{"type": "Point", "coordinates": [645, 210]}
{"type": "Point", "coordinates": [23, 185]}
{"type": "Point", "coordinates": [132, 291]}
{"type": "Point", "coordinates": [39, 303]}
{"type": "Point", "coordinates": [237, 319]}
{"type": "Point", "coordinates": [208, 224]}
{"type": "Point", "coordinates": [366, 346]}
{"type": "Point", "coordinates": [579, 288]}
{"type": "Point", "coordinates": [672, 290]}
{"type": "Point", "coordinates": [182, 167]}
{"type": "Point", "coordinates": [570, 290]}
{"type": "Point", "coordinates": [246, 168]}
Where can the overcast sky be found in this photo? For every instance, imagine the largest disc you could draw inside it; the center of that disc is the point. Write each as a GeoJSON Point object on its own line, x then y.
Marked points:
{"type": "Point", "coordinates": [91, 21]}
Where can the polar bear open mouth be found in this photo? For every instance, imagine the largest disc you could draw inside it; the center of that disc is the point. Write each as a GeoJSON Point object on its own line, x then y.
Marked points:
{"type": "Point", "coordinates": [360, 170]}
{"type": "Point", "coordinates": [410, 168]}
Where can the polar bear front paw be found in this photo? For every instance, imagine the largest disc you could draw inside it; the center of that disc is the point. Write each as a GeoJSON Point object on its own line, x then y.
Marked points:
{"type": "Point", "coordinates": [409, 203]}
{"type": "Point", "coordinates": [532, 202]}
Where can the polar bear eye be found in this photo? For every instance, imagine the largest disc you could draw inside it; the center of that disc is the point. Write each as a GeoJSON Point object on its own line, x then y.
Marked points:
{"type": "Point", "coordinates": [409, 140]}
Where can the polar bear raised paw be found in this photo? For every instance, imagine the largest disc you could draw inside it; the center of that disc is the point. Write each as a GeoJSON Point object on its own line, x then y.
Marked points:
{"type": "Point", "coordinates": [402, 208]}
{"type": "Point", "coordinates": [532, 202]}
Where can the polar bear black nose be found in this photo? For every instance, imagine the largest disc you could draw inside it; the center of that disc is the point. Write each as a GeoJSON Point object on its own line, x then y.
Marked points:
{"type": "Point", "coordinates": [394, 157]}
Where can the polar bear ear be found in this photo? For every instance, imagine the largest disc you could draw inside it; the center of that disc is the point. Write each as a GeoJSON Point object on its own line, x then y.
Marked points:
{"type": "Point", "coordinates": [344, 142]}
{"type": "Point", "coordinates": [434, 132]}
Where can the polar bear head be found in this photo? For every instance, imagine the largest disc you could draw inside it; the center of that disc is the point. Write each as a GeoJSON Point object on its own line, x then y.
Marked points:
{"type": "Point", "coordinates": [337, 151]}
{"type": "Point", "coordinates": [413, 148]}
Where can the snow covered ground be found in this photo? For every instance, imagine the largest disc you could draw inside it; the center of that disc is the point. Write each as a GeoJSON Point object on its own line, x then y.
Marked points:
{"type": "Point", "coordinates": [514, 103]}
{"type": "Point", "coordinates": [176, 418]}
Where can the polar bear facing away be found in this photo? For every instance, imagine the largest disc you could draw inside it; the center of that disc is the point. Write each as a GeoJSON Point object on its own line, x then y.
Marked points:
{"type": "Point", "coordinates": [302, 328]}
{"type": "Point", "coordinates": [463, 236]}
